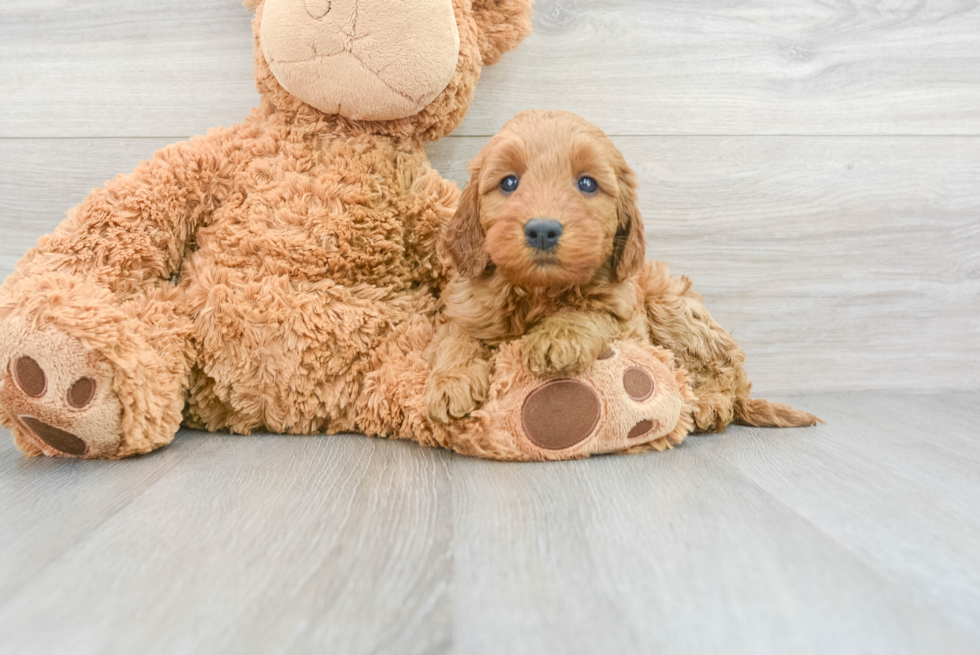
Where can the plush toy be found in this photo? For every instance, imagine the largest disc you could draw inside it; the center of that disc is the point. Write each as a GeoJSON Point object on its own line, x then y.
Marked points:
{"type": "Point", "coordinates": [284, 274]}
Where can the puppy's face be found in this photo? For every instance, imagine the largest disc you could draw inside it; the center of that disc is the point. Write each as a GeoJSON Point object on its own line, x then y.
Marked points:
{"type": "Point", "coordinates": [550, 202]}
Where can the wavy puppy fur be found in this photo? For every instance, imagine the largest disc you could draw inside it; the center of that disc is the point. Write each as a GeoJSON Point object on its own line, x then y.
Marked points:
{"type": "Point", "coordinates": [566, 298]}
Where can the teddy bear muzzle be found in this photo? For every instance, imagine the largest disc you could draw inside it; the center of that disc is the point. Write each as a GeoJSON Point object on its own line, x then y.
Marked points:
{"type": "Point", "coordinates": [362, 59]}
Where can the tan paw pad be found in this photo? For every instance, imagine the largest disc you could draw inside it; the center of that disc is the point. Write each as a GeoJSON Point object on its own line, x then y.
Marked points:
{"type": "Point", "coordinates": [58, 394]}
{"type": "Point", "coordinates": [57, 438]}
{"type": "Point", "coordinates": [30, 377]}
{"type": "Point", "coordinates": [560, 414]}
{"type": "Point", "coordinates": [638, 384]}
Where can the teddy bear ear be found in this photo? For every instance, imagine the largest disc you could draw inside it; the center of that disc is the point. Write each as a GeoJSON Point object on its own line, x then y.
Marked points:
{"type": "Point", "coordinates": [502, 25]}
{"type": "Point", "coordinates": [251, 5]}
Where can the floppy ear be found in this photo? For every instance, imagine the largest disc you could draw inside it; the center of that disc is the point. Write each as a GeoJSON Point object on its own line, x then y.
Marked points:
{"type": "Point", "coordinates": [464, 240]}
{"type": "Point", "coordinates": [630, 243]}
{"type": "Point", "coordinates": [501, 26]}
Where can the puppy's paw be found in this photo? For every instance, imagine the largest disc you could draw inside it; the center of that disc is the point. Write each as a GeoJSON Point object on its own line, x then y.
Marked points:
{"type": "Point", "coordinates": [454, 393]}
{"type": "Point", "coordinates": [547, 354]}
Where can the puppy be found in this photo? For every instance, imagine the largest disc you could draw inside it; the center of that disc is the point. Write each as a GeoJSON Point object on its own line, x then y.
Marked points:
{"type": "Point", "coordinates": [547, 241]}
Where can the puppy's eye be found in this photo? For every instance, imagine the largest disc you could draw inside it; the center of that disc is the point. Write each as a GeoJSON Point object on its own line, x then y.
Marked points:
{"type": "Point", "coordinates": [587, 184]}
{"type": "Point", "coordinates": [509, 184]}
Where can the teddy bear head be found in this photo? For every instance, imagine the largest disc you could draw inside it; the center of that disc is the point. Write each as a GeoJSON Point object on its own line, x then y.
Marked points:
{"type": "Point", "coordinates": [393, 67]}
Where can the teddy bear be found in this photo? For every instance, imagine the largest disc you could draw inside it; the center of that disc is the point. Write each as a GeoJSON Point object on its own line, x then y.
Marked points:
{"type": "Point", "coordinates": [283, 274]}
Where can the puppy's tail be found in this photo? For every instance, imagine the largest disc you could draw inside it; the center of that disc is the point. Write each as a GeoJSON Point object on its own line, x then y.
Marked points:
{"type": "Point", "coordinates": [760, 413]}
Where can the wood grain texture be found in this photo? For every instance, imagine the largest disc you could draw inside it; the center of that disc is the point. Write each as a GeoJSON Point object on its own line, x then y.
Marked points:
{"type": "Point", "coordinates": [859, 536]}
{"type": "Point", "coordinates": [914, 518]}
{"type": "Point", "coordinates": [115, 68]}
{"type": "Point", "coordinates": [692, 552]}
{"type": "Point", "coordinates": [251, 545]}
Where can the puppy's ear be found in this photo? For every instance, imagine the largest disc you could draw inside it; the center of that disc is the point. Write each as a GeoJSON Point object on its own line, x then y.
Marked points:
{"type": "Point", "coordinates": [501, 26]}
{"type": "Point", "coordinates": [464, 240]}
{"type": "Point", "coordinates": [630, 243]}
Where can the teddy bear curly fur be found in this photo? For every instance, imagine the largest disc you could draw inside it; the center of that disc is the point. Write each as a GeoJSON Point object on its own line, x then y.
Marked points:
{"type": "Point", "coordinates": [283, 274]}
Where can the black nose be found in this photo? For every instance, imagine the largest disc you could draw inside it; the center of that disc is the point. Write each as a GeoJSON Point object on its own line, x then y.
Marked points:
{"type": "Point", "coordinates": [542, 233]}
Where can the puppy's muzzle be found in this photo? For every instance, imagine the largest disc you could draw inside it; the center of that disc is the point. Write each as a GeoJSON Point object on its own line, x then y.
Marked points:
{"type": "Point", "coordinates": [542, 233]}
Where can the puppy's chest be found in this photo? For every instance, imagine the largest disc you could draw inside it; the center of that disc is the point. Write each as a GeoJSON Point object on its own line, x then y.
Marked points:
{"type": "Point", "coordinates": [495, 323]}
{"type": "Point", "coordinates": [495, 318]}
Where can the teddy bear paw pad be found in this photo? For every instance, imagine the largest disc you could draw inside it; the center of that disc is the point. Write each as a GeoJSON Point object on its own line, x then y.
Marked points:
{"type": "Point", "coordinates": [59, 396]}
{"type": "Point", "coordinates": [560, 414]}
{"type": "Point", "coordinates": [638, 383]}
{"type": "Point", "coordinates": [641, 429]}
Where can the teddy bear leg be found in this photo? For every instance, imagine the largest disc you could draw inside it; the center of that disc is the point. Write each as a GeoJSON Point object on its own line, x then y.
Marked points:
{"type": "Point", "coordinates": [632, 398]}
{"type": "Point", "coordinates": [84, 375]}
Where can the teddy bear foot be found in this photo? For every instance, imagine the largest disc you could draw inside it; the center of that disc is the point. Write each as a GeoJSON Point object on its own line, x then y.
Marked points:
{"type": "Point", "coordinates": [57, 396]}
{"type": "Point", "coordinates": [83, 375]}
{"type": "Point", "coordinates": [631, 399]}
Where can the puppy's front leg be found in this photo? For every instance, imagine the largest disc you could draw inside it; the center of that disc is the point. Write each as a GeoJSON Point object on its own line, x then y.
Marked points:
{"type": "Point", "coordinates": [568, 343]}
{"type": "Point", "coordinates": [460, 377]}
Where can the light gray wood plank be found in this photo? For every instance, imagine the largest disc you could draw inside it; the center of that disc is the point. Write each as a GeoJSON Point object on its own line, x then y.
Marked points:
{"type": "Point", "coordinates": [49, 505]}
{"type": "Point", "coordinates": [122, 68]}
{"type": "Point", "coordinates": [262, 544]}
{"type": "Point", "coordinates": [643, 67]}
{"type": "Point", "coordinates": [676, 552]}
{"type": "Point", "coordinates": [113, 68]}
{"type": "Point", "coordinates": [961, 404]}
{"type": "Point", "coordinates": [858, 536]}
{"type": "Point", "coordinates": [894, 478]}
{"type": "Point", "coordinates": [838, 263]}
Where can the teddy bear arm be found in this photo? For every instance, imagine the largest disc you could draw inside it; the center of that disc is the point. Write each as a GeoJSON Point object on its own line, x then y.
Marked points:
{"type": "Point", "coordinates": [138, 228]}
{"type": "Point", "coordinates": [95, 346]}
{"type": "Point", "coordinates": [434, 202]}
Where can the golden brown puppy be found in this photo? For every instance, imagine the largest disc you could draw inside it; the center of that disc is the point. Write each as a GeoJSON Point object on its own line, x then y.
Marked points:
{"type": "Point", "coordinates": [548, 240]}
{"type": "Point", "coordinates": [549, 245]}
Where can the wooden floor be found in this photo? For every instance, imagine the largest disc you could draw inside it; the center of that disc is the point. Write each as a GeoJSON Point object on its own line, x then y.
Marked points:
{"type": "Point", "coordinates": [860, 536]}
{"type": "Point", "coordinates": [813, 166]}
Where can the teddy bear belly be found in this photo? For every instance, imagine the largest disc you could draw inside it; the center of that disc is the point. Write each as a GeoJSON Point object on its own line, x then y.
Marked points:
{"type": "Point", "coordinates": [359, 245]}
{"type": "Point", "coordinates": [284, 354]}
{"type": "Point", "coordinates": [302, 275]}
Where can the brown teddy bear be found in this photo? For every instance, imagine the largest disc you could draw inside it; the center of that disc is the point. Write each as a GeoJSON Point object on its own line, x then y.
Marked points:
{"type": "Point", "coordinates": [283, 274]}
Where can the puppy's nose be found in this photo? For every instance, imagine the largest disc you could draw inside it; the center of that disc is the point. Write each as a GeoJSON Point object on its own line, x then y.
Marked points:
{"type": "Point", "coordinates": [542, 233]}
